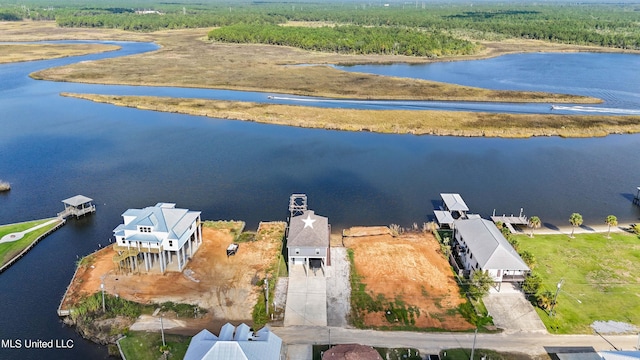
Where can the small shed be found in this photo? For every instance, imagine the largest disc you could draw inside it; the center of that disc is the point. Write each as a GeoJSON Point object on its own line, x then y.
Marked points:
{"type": "Point", "coordinates": [78, 205]}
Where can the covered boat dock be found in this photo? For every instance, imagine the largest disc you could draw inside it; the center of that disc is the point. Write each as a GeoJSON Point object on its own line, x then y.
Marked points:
{"type": "Point", "coordinates": [77, 206]}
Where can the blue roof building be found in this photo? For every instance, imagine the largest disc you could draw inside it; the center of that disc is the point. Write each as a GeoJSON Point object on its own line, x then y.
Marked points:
{"type": "Point", "coordinates": [161, 236]}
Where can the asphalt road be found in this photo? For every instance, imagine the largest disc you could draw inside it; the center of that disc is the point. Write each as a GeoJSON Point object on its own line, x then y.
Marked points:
{"type": "Point", "coordinates": [523, 342]}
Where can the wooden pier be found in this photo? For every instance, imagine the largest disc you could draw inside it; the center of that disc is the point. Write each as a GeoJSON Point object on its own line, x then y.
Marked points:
{"type": "Point", "coordinates": [636, 199]}
{"type": "Point", "coordinates": [510, 220]}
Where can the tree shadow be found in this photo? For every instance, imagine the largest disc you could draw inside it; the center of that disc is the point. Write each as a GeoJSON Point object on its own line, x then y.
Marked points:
{"type": "Point", "coordinates": [550, 226]}
{"type": "Point", "coordinates": [585, 227]}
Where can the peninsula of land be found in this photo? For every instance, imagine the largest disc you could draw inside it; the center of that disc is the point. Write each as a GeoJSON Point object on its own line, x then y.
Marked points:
{"type": "Point", "coordinates": [186, 59]}
{"type": "Point", "coordinates": [30, 52]}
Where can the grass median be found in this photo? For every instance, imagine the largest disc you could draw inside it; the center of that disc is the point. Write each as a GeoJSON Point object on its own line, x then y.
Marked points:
{"type": "Point", "coordinates": [11, 249]}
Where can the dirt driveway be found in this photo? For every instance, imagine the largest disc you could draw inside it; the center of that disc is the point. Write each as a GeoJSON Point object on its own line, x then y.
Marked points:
{"type": "Point", "coordinates": [223, 285]}
{"type": "Point", "coordinates": [409, 272]}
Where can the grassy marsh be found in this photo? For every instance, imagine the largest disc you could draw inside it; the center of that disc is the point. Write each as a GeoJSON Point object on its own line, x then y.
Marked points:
{"type": "Point", "coordinates": [186, 59]}
{"type": "Point", "coordinates": [29, 52]}
{"type": "Point", "coordinates": [386, 121]}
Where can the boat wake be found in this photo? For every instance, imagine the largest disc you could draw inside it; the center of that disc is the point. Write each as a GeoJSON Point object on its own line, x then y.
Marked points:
{"type": "Point", "coordinates": [593, 109]}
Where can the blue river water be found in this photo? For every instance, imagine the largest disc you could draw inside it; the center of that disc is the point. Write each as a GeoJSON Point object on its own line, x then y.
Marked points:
{"type": "Point", "coordinates": [53, 147]}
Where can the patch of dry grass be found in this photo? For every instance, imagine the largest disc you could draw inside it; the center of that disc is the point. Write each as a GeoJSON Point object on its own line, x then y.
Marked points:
{"type": "Point", "coordinates": [30, 52]}
{"type": "Point", "coordinates": [386, 121]}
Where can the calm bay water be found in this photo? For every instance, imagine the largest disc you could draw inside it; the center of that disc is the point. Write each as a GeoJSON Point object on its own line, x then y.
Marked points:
{"type": "Point", "coordinates": [53, 147]}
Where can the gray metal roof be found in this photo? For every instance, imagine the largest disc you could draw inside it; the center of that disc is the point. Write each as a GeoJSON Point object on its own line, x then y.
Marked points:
{"type": "Point", "coordinates": [620, 355]}
{"type": "Point", "coordinates": [454, 202]}
{"type": "Point", "coordinates": [263, 345]}
{"type": "Point", "coordinates": [443, 217]}
{"type": "Point", "coordinates": [308, 230]}
{"type": "Point", "coordinates": [77, 200]}
{"type": "Point", "coordinates": [488, 245]}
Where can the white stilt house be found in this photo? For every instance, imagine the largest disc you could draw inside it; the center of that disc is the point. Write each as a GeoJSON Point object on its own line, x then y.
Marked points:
{"type": "Point", "coordinates": [160, 236]}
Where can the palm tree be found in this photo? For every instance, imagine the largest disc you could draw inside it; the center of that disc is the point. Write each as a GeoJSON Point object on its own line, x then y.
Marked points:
{"type": "Point", "coordinates": [611, 220]}
{"type": "Point", "coordinates": [534, 223]}
{"type": "Point", "coordinates": [576, 220]}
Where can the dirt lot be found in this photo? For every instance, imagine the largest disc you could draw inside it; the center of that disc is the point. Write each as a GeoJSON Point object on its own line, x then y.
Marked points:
{"type": "Point", "coordinates": [224, 286]}
{"type": "Point", "coordinates": [410, 268]}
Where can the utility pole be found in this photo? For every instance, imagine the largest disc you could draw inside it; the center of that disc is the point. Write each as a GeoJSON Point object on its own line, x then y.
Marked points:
{"type": "Point", "coordinates": [555, 298]}
{"type": "Point", "coordinates": [266, 293]}
{"type": "Point", "coordinates": [102, 288]}
{"type": "Point", "coordinates": [473, 348]}
{"type": "Point", "coordinates": [162, 331]}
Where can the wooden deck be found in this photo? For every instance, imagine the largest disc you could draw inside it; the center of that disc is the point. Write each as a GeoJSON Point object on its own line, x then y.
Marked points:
{"type": "Point", "coordinates": [509, 221]}
{"type": "Point", "coordinates": [77, 212]}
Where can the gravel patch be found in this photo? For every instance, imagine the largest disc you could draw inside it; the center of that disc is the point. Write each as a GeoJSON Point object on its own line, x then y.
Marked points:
{"type": "Point", "coordinates": [280, 296]}
{"type": "Point", "coordinates": [613, 327]}
{"type": "Point", "coordinates": [338, 288]}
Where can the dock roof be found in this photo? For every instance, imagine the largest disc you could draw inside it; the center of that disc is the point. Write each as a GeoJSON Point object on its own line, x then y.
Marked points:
{"type": "Point", "coordinates": [444, 217]}
{"type": "Point", "coordinates": [454, 202]}
{"type": "Point", "coordinates": [77, 200]}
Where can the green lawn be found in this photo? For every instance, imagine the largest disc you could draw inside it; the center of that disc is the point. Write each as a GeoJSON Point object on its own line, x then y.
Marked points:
{"type": "Point", "coordinates": [141, 345]}
{"type": "Point", "coordinates": [478, 354]}
{"type": "Point", "coordinates": [600, 275]}
{"type": "Point", "coordinates": [11, 249]}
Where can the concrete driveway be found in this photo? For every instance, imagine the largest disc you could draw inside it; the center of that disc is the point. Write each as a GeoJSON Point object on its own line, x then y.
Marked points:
{"type": "Point", "coordinates": [306, 298]}
{"type": "Point", "coordinates": [512, 312]}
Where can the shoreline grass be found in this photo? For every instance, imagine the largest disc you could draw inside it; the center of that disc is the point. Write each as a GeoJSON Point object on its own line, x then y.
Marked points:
{"type": "Point", "coordinates": [428, 122]}
{"type": "Point", "coordinates": [597, 271]}
{"type": "Point", "coordinates": [10, 53]}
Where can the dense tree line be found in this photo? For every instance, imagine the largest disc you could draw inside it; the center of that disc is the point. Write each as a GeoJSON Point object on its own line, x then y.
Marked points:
{"type": "Point", "coordinates": [153, 22]}
{"type": "Point", "coordinates": [348, 39]}
{"type": "Point", "coordinates": [614, 25]}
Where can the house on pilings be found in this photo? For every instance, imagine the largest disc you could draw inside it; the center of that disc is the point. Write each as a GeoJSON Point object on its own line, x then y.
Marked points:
{"type": "Point", "coordinates": [160, 237]}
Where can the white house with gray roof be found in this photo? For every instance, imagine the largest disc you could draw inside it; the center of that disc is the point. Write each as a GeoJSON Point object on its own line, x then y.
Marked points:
{"type": "Point", "coordinates": [235, 343]}
{"type": "Point", "coordinates": [308, 240]}
{"type": "Point", "coordinates": [481, 246]}
{"type": "Point", "coordinates": [161, 236]}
